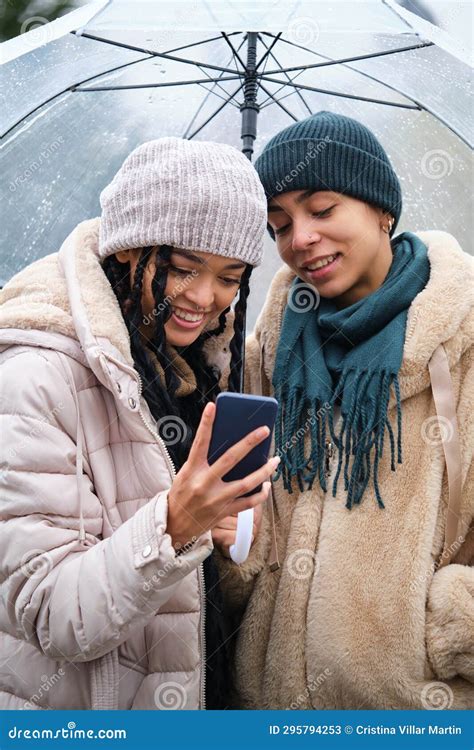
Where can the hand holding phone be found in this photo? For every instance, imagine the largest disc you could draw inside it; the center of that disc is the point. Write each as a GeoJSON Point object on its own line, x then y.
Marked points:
{"type": "Point", "coordinates": [237, 415]}
{"type": "Point", "coordinates": [200, 498]}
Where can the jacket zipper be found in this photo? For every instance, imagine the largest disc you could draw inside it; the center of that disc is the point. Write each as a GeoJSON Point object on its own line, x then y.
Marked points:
{"type": "Point", "coordinates": [203, 637]}
{"type": "Point", "coordinates": [202, 592]}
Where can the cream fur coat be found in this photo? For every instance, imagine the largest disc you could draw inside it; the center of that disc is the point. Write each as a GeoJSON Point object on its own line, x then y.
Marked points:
{"type": "Point", "coordinates": [359, 616]}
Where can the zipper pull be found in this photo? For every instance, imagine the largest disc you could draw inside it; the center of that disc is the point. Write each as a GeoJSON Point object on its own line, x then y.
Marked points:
{"type": "Point", "coordinates": [329, 453]}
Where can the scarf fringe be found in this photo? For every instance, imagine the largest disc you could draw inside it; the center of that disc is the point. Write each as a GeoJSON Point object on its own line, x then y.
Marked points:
{"type": "Point", "coordinates": [360, 442]}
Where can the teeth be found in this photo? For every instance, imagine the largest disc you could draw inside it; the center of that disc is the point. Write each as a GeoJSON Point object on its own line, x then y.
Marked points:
{"type": "Point", "coordinates": [322, 263]}
{"type": "Point", "coordinates": [191, 317]}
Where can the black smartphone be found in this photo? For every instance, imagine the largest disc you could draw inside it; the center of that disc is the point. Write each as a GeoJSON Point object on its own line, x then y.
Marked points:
{"type": "Point", "coordinates": [238, 414]}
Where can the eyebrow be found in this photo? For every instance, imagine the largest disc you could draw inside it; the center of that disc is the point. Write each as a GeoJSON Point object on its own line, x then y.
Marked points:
{"type": "Point", "coordinates": [190, 256]}
{"type": "Point", "coordinates": [298, 199]}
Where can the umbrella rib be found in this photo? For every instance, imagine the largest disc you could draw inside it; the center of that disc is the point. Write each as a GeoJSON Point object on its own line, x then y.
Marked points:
{"type": "Point", "coordinates": [219, 96]}
{"type": "Point", "coordinates": [197, 44]}
{"type": "Point", "coordinates": [355, 70]}
{"type": "Point", "coordinates": [290, 114]}
{"type": "Point", "coordinates": [420, 106]}
{"type": "Point", "coordinates": [235, 52]}
{"type": "Point", "coordinates": [343, 60]}
{"type": "Point", "coordinates": [111, 70]}
{"type": "Point", "coordinates": [165, 84]}
{"type": "Point", "coordinates": [217, 84]}
{"type": "Point", "coordinates": [344, 96]}
{"type": "Point", "coordinates": [268, 101]}
{"type": "Point", "coordinates": [268, 49]}
{"type": "Point", "coordinates": [204, 101]}
{"type": "Point", "coordinates": [70, 88]}
{"type": "Point", "coordinates": [158, 54]}
{"type": "Point", "coordinates": [287, 77]}
{"type": "Point", "coordinates": [211, 117]}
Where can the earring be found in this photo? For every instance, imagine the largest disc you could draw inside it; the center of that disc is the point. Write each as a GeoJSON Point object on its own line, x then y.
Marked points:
{"type": "Point", "coordinates": [389, 226]}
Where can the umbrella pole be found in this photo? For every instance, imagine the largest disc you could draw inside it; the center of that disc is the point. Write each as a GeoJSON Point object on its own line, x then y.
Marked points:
{"type": "Point", "coordinates": [249, 110]}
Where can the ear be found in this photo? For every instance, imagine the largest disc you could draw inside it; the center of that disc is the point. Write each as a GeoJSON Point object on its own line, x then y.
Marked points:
{"type": "Point", "coordinates": [123, 256]}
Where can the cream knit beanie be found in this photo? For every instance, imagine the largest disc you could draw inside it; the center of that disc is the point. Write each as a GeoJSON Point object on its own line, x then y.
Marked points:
{"type": "Point", "coordinates": [189, 194]}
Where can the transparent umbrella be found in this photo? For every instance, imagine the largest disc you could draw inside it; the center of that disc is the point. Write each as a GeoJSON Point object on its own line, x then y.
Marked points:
{"type": "Point", "coordinates": [82, 92]}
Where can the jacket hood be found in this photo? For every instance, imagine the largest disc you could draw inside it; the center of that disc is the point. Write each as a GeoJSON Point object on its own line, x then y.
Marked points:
{"type": "Point", "coordinates": [442, 313]}
{"type": "Point", "coordinates": [64, 301]}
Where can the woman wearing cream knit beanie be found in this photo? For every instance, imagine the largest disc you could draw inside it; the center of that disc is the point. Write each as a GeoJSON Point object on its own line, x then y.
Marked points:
{"type": "Point", "coordinates": [125, 359]}
{"type": "Point", "coordinates": [205, 200]}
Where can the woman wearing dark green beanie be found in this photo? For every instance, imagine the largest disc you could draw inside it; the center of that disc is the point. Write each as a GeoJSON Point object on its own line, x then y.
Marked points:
{"type": "Point", "coordinates": [359, 589]}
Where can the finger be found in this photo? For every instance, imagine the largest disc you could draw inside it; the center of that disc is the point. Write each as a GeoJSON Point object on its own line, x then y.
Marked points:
{"type": "Point", "coordinates": [237, 452]}
{"type": "Point", "coordinates": [247, 484]}
{"type": "Point", "coordinates": [257, 519]}
{"type": "Point", "coordinates": [224, 540]}
{"type": "Point", "coordinates": [202, 439]}
{"type": "Point", "coordinates": [229, 522]}
{"type": "Point", "coordinates": [252, 501]}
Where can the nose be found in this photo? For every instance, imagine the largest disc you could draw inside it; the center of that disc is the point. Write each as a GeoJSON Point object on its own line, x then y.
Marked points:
{"type": "Point", "coordinates": [304, 235]}
{"type": "Point", "coordinates": [201, 293]}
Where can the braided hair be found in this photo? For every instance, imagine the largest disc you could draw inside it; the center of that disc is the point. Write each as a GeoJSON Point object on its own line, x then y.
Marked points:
{"type": "Point", "coordinates": [160, 397]}
{"type": "Point", "coordinates": [162, 401]}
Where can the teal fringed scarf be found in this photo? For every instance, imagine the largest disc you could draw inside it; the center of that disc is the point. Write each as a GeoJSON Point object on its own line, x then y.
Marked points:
{"type": "Point", "coordinates": [351, 356]}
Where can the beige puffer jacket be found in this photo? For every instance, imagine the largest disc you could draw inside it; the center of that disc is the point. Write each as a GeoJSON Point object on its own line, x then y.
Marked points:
{"type": "Point", "coordinates": [96, 611]}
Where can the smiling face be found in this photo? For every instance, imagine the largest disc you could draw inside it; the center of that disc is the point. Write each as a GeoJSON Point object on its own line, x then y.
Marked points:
{"type": "Point", "coordinates": [199, 287]}
{"type": "Point", "coordinates": [333, 242]}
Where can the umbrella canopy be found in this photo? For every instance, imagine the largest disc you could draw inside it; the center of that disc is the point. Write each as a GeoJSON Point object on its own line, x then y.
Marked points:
{"type": "Point", "coordinates": [82, 92]}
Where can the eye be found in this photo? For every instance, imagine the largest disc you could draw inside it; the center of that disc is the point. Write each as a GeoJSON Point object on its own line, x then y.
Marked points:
{"type": "Point", "coordinates": [180, 271]}
{"type": "Point", "coordinates": [324, 213]}
{"type": "Point", "coordinates": [281, 230]}
{"type": "Point", "coordinates": [229, 282]}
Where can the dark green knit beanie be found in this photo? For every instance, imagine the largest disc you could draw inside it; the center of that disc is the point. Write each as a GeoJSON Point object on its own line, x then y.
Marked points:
{"type": "Point", "coordinates": [330, 152]}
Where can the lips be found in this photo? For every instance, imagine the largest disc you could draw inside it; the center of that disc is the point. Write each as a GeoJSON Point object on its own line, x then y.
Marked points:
{"type": "Point", "coordinates": [320, 262]}
{"type": "Point", "coordinates": [318, 270]}
{"type": "Point", "coordinates": [186, 319]}
{"type": "Point", "coordinates": [189, 315]}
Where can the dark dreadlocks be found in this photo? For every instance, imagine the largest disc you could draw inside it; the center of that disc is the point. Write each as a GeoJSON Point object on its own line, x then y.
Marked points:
{"type": "Point", "coordinates": [162, 402]}
{"type": "Point", "coordinates": [160, 398]}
